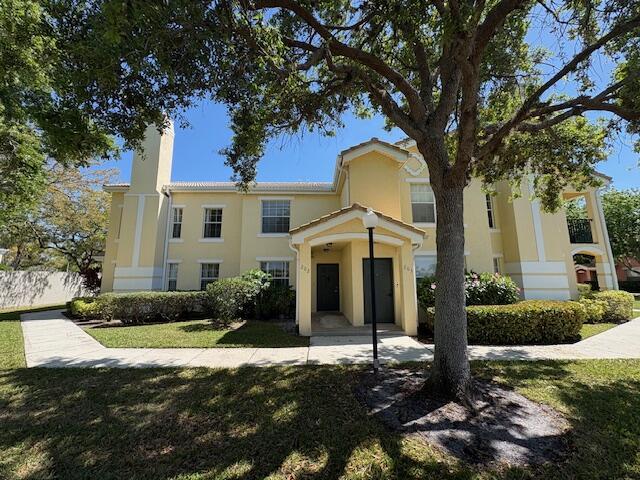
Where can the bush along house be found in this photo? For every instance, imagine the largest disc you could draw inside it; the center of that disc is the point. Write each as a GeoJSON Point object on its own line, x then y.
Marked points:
{"type": "Point", "coordinates": [167, 235]}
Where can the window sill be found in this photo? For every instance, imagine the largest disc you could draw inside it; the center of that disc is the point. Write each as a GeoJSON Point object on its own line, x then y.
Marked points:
{"type": "Point", "coordinates": [273, 235]}
{"type": "Point", "coordinates": [495, 230]}
{"type": "Point", "coordinates": [211, 240]}
{"type": "Point", "coordinates": [425, 224]}
{"type": "Point", "coordinates": [176, 240]}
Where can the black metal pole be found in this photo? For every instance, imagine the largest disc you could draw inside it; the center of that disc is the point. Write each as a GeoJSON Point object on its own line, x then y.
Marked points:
{"type": "Point", "coordinates": [374, 327]}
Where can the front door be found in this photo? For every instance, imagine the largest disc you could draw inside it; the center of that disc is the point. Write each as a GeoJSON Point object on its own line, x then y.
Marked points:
{"type": "Point", "coordinates": [328, 287]}
{"type": "Point", "coordinates": [384, 290]}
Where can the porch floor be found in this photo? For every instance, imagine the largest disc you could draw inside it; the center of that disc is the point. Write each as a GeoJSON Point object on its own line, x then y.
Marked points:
{"type": "Point", "coordinates": [336, 324]}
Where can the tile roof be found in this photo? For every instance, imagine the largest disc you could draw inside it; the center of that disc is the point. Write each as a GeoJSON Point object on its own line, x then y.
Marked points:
{"type": "Point", "coordinates": [232, 187]}
{"type": "Point", "coordinates": [255, 187]}
{"type": "Point", "coordinates": [374, 140]}
{"type": "Point", "coordinates": [355, 206]}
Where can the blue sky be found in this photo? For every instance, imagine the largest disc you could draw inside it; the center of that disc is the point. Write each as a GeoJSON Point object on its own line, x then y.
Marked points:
{"type": "Point", "coordinates": [309, 157]}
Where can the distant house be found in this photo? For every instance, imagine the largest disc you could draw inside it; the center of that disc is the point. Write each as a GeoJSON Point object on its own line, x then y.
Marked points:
{"type": "Point", "coordinates": [167, 235]}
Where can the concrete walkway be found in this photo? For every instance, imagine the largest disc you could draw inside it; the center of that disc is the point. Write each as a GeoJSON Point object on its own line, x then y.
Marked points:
{"type": "Point", "coordinates": [52, 340]}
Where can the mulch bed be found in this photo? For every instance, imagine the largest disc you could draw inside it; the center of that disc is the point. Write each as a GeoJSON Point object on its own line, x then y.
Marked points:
{"type": "Point", "coordinates": [506, 427]}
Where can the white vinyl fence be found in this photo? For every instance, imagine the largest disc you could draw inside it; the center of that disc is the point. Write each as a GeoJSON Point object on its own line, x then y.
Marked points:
{"type": "Point", "coordinates": [26, 289]}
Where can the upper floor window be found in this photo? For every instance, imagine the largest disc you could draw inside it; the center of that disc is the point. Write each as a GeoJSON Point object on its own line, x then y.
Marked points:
{"type": "Point", "coordinates": [423, 205]}
{"type": "Point", "coordinates": [425, 265]}
{"type": "Point", "coordinates": [212, 223]}
{"type": "Point", "coordinates": [172, 276]}
{"type": "Point", "coordinates": [491, 211]}
{"type": "Point", "coordinates": [279, 271]}
{"type": "Point", "coordinates": [276, 216]}
{"type": "Point", "coordinates": [209, 272]}
{"type": "Point", "coordinates": [176, 222]}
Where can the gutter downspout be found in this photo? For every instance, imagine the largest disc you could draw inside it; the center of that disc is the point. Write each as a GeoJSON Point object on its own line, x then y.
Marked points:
{"type": "Point", "coordinates": [605, 234]}
{"type": "Point", "coordinates": [297, 281]}
{"type": "Point", "coordinates": [167, 192]}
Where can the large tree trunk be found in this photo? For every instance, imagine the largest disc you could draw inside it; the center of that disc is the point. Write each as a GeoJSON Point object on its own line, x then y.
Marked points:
{"type": "Point", "coordinates": [450, 375]}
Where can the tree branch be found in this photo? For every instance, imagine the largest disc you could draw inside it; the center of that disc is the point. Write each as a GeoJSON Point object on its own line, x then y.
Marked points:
{"type": "Point", "coordinates": [496, 139]}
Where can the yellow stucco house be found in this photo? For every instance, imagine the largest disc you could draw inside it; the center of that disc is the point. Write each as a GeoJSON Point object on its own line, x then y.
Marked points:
{"type": "Point", "coordinates": [167, 235]}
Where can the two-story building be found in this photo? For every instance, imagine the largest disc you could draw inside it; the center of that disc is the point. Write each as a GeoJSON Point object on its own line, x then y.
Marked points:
{"type": "Point", "coordinates": [167, 235]}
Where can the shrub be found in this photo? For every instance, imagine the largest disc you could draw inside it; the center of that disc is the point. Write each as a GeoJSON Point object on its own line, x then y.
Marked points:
{"type": "Point", "coordinates": [86, 308]}
{"type": "Point", "coordinates": [594, 309]}
{"type": "Point", "coordinates": [277, 301]}
{"type": "Point", "coordinates": [619, 305]}
{"type": "Point", "coordinates": [480, 289]}
{"type": "Point", "coordinates": [232, 298]}
{"type": "Point", "coordinates": [141, 307]}
{"type": "Point", "coordinates": [584, 289]}
{"type": "Point", "coordinates": [530, 321]}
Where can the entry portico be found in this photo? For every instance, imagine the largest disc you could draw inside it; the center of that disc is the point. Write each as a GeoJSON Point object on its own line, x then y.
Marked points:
{"type": "Point", "coordinates": [333, 261]}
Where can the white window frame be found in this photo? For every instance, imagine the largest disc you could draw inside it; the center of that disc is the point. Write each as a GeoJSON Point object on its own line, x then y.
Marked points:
{"type": "Point", "coordinates": [174, 277]}
{"type": "Point", "coordinates": [286, 280]}
{"type": "Point", "coordinates": [428, 186]}
{"type": "Point", "coordinates": [208, 279]}
{"type": "Point", "coordinates": [206, 208]}
{"type": "Point", "coordinates": [262, 216]}
{"type": "Point", "coordinates": [174, 222]}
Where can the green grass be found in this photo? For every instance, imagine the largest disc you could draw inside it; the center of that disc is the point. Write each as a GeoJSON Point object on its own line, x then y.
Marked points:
{"type": "Point", "coordinates": [280, 423]}
{"type": "Point", "coordinates": [636, 305]}
{"type": "Point", "coordinates": [196, 334]}
{"type": "Point", "coordinates": [11, 342]}
{"type": "Point", "coordinates": [591, 329]}
{"type": "Point", "coordinates": [284, 423]}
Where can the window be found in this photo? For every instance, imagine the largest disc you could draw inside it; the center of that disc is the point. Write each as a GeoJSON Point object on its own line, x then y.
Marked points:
{"type": "Point", "coordinates": [176, 222]}
{"type": "Point", "coordinates": [212, 223]}
{"type": "Point", "coordinates": [423, 206]}
{"type": "Point", "coordinates": [496, 265]}
{"type": "Point", "coordinates": [490, 211]}
{"type": "Point", "coordinates": [425, 265]}
{"type": "Point", "coordinates": [278, 270]}
{"type": "Point", "coordinates": [275, 216]}
{"type": "Point", "coordinates": [172, 276]}
{"type": "Point", "coordinates": [209, 272]}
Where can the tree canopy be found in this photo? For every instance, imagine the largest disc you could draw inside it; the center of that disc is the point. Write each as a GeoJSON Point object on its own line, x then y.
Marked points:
{"type": "Point", "coordinates": [500, 89]}
{"type": "Point", "coordinates": [622, 214]}
{"type": "Point", "coordinates": [67, 228]}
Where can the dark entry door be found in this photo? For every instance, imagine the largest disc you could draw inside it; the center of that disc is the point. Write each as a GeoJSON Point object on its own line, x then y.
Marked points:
{"type": "Point", "coordinates": [384, 290]}
{"type": "Point", "coordinates": [328, 286]}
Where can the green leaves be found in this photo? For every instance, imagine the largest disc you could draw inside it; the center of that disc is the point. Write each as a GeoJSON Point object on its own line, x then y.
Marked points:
{"type": "Point", "coordinates": [622, 215]}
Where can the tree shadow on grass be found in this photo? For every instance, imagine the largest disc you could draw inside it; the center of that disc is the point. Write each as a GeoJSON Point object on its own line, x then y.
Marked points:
{"type": "Point", "coordinates": [296, 422]}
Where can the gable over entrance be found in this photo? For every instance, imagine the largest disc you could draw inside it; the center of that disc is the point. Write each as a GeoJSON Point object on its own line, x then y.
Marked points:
{"type": "Point", "coordinates": [340, 239]}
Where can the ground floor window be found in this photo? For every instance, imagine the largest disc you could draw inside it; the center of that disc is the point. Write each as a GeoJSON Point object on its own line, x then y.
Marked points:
{"type": "Point", "coordinates": [497, 268]}
{"type": "Point", "coordinates": [209, 272]}
{"type": "Point", "coordinates": [279, 271]}
{"type": "Point", "coordinates": [172, 276]}
{"type": "Point", "coordinates": [425, 265]}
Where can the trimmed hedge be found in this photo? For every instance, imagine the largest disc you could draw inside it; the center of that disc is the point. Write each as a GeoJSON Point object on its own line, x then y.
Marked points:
{"type": "Point", "coordinates": [594, 309]}
{"type": "Point", "coordinates": [527, 322]}
{"type": "Point", "coordinates": [480, 289]}
{"type": "Point", "coordinates": [140, 307]}
{"type": "Point", "coordinates": [85, 308]}
{"type": "Point", "coordinates": [584, 289]}
{"type": "Point", "coordinates": [618, 305]}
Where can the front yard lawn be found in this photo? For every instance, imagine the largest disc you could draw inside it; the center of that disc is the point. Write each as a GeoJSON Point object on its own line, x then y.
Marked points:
{"type": "Point", "coordinates": [196, 334]}
{"type": "Point", "coordinates": [591, 329]}
{"type": "Point", "coordinates": [280, 423]}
